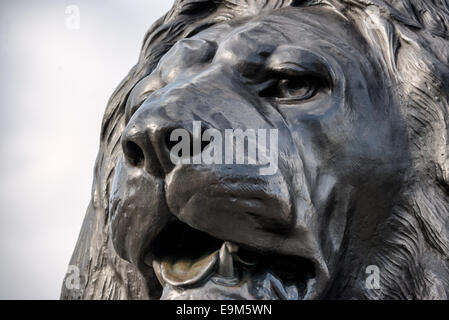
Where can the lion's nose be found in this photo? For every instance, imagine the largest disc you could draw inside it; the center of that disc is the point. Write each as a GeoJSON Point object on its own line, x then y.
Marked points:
{"type": "Point", "coordinates": [148, 144]}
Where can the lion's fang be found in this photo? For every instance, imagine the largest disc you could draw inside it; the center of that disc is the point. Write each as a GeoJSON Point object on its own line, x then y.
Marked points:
{"type": "Point", "coordinates": [226, 263]}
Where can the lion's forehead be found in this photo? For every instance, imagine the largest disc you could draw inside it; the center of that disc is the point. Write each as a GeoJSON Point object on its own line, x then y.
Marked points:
{"type": "Point", "coordinates": [248, 39]}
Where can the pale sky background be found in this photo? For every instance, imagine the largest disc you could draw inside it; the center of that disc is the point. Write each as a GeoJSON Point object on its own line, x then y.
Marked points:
{"type": "Point", "coordinates": [54, 85]}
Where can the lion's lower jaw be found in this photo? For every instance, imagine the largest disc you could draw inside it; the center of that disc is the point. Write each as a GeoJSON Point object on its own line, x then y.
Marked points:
{"type": "Point", "coordinates": [222, 274]}
{"type": "Point", "coordinates": [264, 286]}
{"type": "Point", "coordinates": [198, 266]}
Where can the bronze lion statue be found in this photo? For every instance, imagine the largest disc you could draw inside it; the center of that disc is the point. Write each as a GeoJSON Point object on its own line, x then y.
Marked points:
{"type": "Point", "coordinates": [358, 208]}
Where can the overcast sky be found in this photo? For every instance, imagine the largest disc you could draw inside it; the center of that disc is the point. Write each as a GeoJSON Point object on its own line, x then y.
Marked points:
{"type": "Point", "coordinates": [55, 82]}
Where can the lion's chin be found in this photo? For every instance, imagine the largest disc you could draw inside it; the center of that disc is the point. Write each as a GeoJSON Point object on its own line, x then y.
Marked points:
{"type": "Point", "coordinates": [262, 286]}
{"type": "Point", "coordinates": [191, 265]}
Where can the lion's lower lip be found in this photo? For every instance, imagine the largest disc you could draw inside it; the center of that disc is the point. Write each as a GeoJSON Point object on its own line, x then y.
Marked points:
{"type": "Point", "coordinates": [185, 258]}
{"type": "Point", "coordinates": [184, 272]}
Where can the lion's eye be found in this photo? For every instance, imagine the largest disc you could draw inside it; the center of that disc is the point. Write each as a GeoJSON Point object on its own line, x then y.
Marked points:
{"type": "Point", "coordinates": [292, 89]}
{"type": "Point", "coordinates": [295, 88]}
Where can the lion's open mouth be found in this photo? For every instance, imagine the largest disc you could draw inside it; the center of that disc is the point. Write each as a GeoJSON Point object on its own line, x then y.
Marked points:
{"type": "Point", "coordinates": [186, 259]}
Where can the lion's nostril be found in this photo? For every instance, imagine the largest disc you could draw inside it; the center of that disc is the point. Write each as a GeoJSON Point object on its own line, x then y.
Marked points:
{"type": "Point", "coordinates": [192, 141]}
{"type": "Point", "coordinates": [170, 143]}
{"type": "Point", "coordinates": [134, 154]}
{"type": "Point", "coordinates": [203, 144]}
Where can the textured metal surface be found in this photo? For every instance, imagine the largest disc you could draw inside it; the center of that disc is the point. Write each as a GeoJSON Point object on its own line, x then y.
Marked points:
{"type": "Point", "coordinates": [358, 93]}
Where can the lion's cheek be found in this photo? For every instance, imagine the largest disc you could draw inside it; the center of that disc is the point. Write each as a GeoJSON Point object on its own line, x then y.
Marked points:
{"type": "Point", "coordinates": [137, 211]}
{"type": "Point", "coordinates": [219, 199]}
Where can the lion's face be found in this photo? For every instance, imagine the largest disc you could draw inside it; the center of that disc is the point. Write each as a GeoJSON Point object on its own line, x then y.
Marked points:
{"type": "Point", "coordinates": [212, 231]}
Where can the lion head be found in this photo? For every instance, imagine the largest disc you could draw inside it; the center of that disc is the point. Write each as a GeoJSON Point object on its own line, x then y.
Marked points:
{"type": "Point", "coordinates": [357, 93]}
